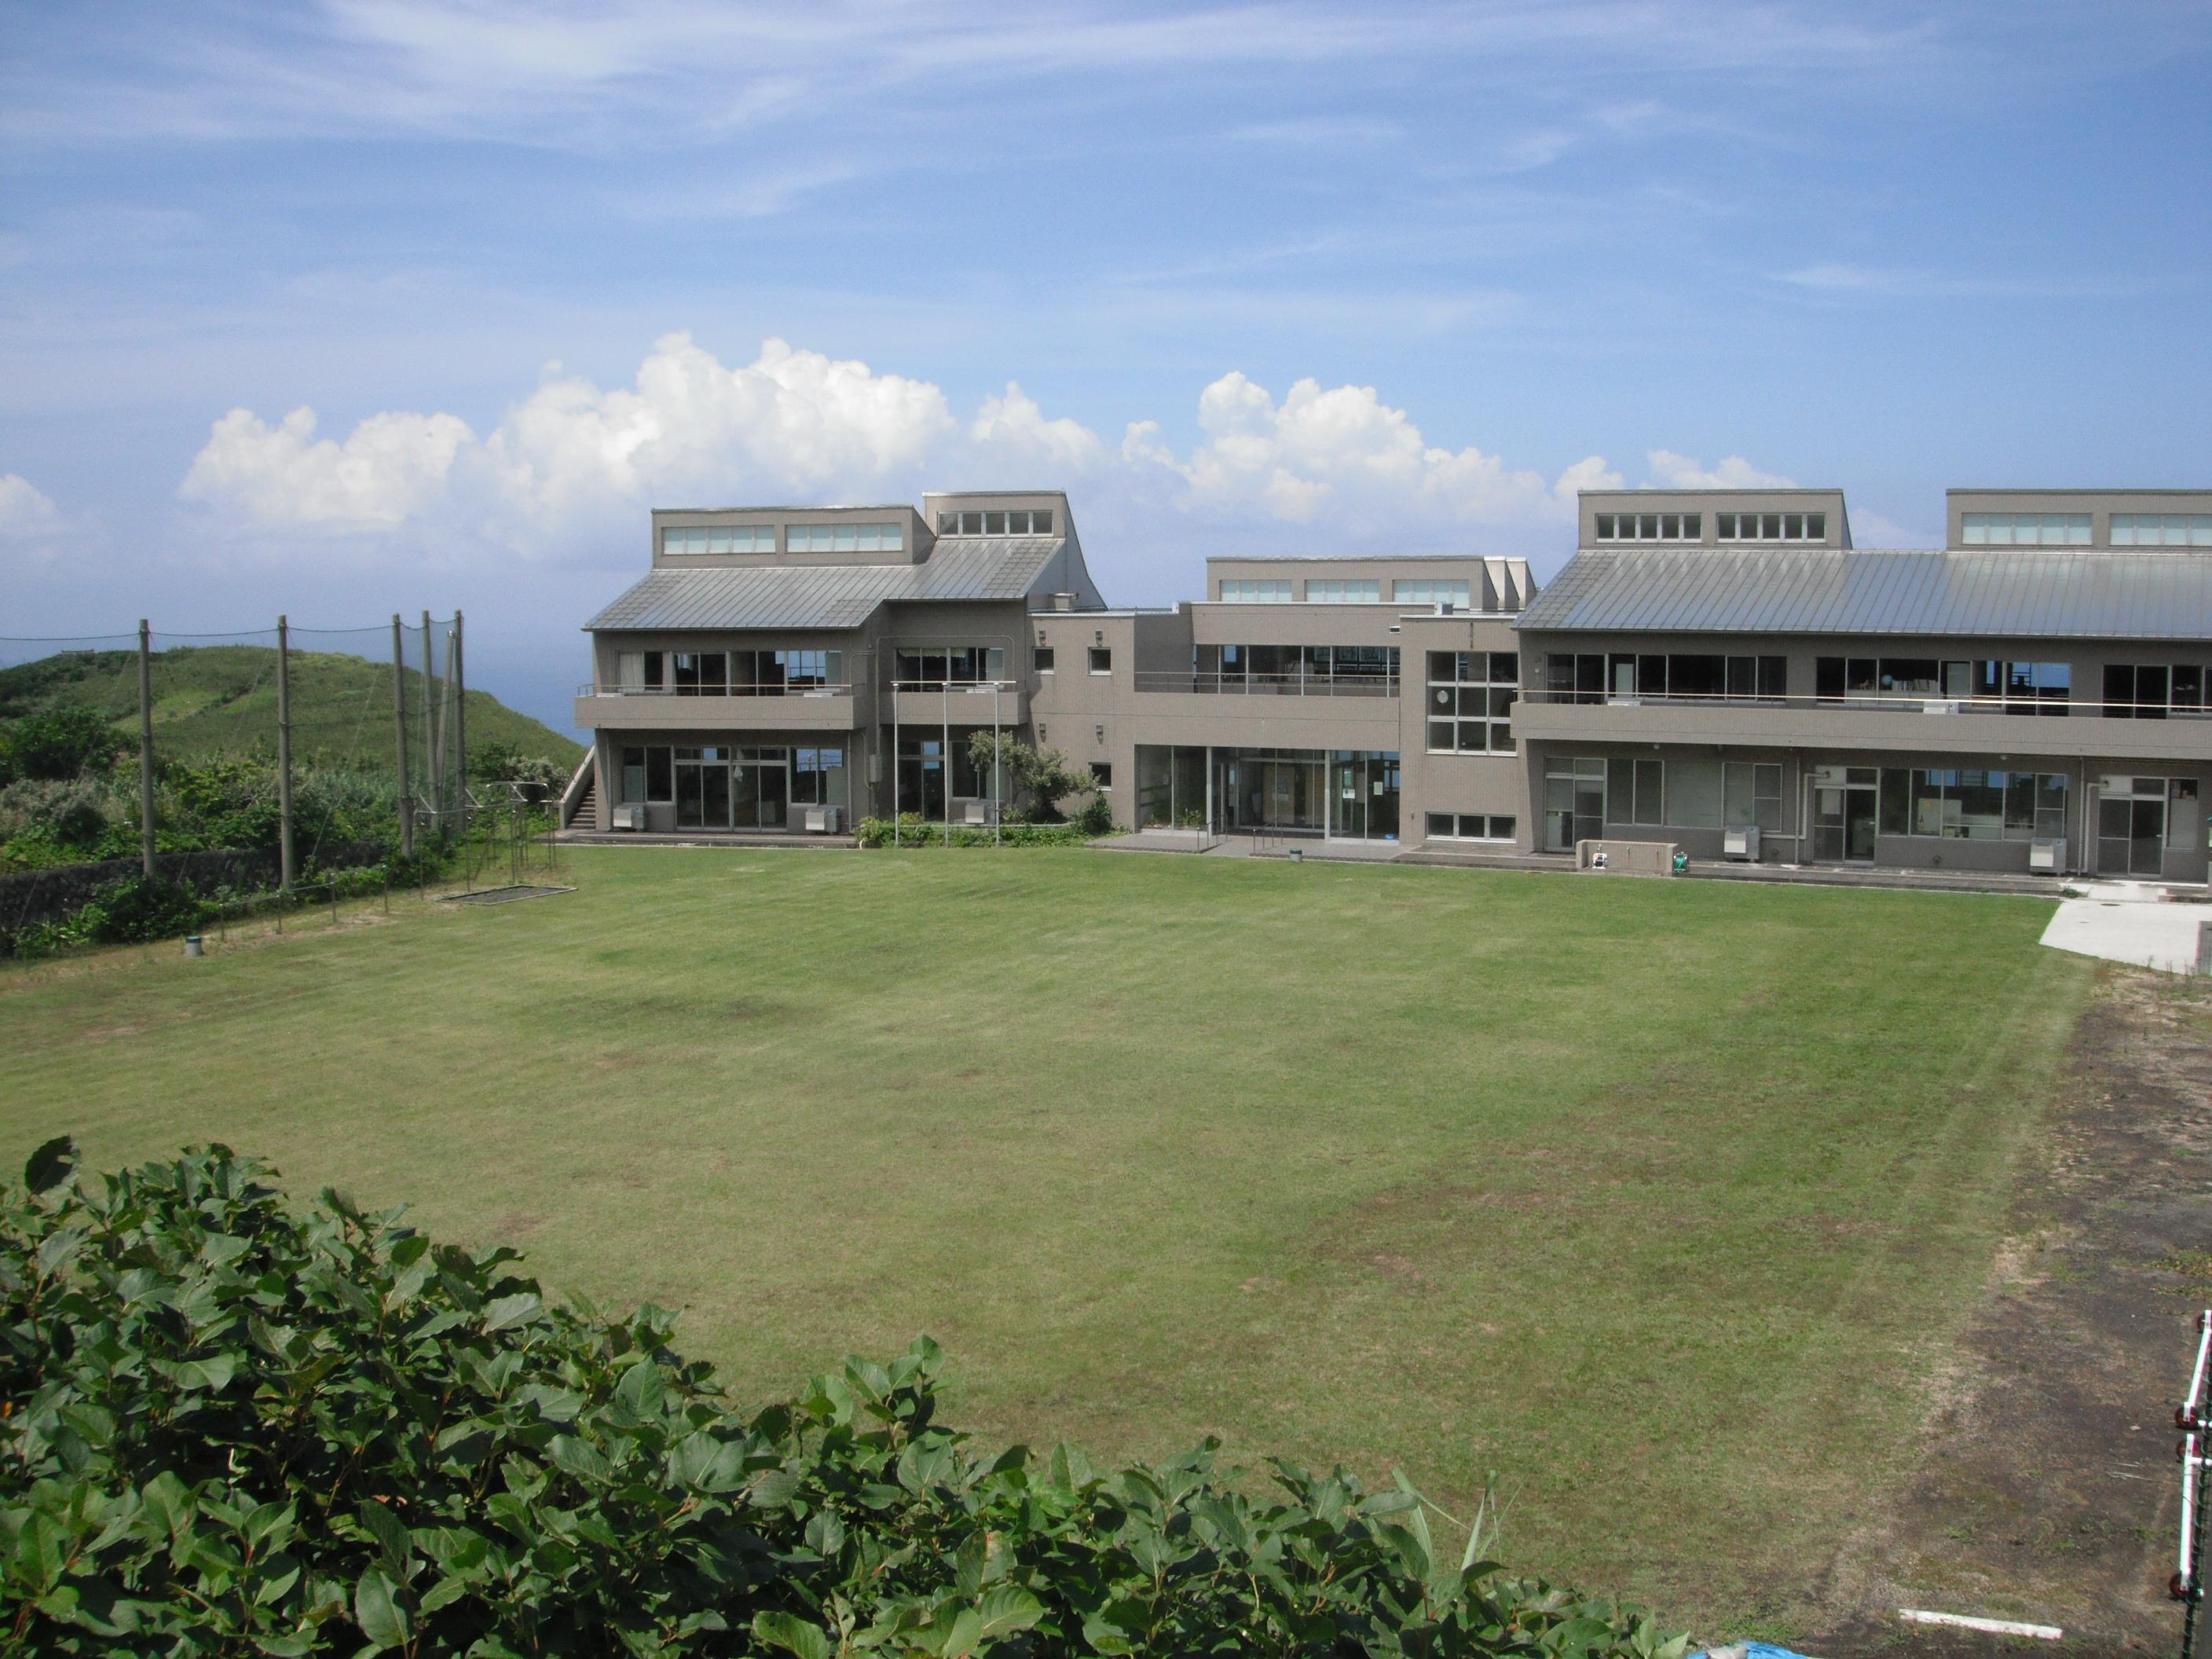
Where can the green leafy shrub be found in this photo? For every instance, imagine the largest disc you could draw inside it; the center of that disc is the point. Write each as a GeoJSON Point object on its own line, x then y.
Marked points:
{"type": "Point", "coordinates": [232, 1427]}
{"type": "Point", "coordinates": [913, 832]}
{"type": "Point", "coordinates": [62, 741]}
{"type": "Point", "coordinates": [132, 908]}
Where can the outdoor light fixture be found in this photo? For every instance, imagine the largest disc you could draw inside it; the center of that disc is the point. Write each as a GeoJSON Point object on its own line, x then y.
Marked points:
{"type": "Point", "coordinates": [1099, 733]}
{"type": "Point", "coordinates": [1098, 636]}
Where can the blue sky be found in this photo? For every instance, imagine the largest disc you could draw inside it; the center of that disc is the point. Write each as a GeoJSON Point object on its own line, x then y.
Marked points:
{"type": "Point", "coordinates": [1311, 278]}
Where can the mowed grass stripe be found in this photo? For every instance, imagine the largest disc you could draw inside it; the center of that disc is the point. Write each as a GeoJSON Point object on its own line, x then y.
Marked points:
{"type": "Point", "coordinates": [1658, 1198]}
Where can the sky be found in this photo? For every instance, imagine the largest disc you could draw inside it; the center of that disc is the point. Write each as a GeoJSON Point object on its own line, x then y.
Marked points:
{"type": "Point", "coordinates": [337, 309]}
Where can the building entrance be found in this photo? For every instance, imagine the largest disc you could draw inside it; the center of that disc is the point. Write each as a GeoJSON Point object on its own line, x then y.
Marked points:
{"type": "Point", "coordinates": [2131, 814]}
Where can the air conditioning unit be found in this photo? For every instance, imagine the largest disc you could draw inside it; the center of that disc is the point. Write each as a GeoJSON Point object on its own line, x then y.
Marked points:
{"type": "Point", "coordinates": [630, 817]}
{"type": "Point", "coordinates": [2046, 857]}
{"type": "Point", "coordinates": [1938, 706]}
{"type": "Point", "coordinates": [1742, 843]}
{"type": "Point", "coordinates": [824, 820]}
{"type": "Point", "coordinates": [985, 812]}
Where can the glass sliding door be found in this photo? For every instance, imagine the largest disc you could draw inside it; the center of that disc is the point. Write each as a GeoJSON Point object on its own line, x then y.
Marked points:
{"type": "Point", "coordinates": [1574, 802]}
{"type": "Point", "coordinates": [1363, 804]}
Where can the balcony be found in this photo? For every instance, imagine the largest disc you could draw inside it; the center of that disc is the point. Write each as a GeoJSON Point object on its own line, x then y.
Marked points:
{"type": "Point", "coordinates": [955, 703]}
{"type": "Point", "coordinates": [1213, 683]}
{"type": "Point", "coordinates": [1919, 725]}
{"type": "Point", "coordinates": [780, 708]}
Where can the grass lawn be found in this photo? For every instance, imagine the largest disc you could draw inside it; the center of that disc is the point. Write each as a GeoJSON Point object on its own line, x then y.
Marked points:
{"type": "Point", "coordinates": [1661, 1199]}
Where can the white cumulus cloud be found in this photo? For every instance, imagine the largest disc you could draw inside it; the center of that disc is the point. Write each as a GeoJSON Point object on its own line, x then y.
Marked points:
{"type": "Point", "coordinates": [1672, 471]}
{"type": "Point", "coordinates": [788, 420]}
{"type": "Point", "coordinates": [24, 507]}
{"type": "Point", "coordinates": [1015, 425]}
{"type": "Point", "coordinates": [388, 467]}
{"type": "Point", "coordinates": [1342, 450]}
{"type": "Point", "coordinates": [571, 458]}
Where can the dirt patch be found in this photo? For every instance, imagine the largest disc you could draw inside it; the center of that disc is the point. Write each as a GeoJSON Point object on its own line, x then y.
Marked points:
{"type": "Point", "coordinates": [2044, 1488]}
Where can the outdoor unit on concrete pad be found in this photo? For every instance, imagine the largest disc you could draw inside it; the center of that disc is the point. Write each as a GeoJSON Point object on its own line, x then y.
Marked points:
{"type": "Point", "coordinates": [1742, 843]}
{"type": "Point", "coordinates": [2046, 858]}
{"type": "Point", "coordinates": [631, 817]}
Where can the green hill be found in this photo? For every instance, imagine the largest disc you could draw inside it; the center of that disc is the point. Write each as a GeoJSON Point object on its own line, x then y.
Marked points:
{"type": "Point", "coordinates": [224, 697]}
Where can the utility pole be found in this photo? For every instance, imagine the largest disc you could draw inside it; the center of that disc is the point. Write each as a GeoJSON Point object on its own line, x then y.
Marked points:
{"type": "Point", "coordinates": [399, 734]}
{"type": "Point", "coordinates": [460, 725]}
{"type": "Point", "coordinates": [429, 762]}
{"type": "Point", "coordinates": [146, 747]}
{"type": "Point", "coordinates": [284, 753]}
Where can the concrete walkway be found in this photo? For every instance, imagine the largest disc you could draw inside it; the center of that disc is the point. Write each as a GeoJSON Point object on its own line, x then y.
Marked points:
{"type": "Point", "coordinates": [2123, 921]}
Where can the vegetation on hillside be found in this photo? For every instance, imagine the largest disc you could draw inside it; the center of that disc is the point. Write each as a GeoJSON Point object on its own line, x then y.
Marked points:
{"type": "Point", "coordinates": [221, 699]}
{"type": "Point", "coordinates": [229, 1426]}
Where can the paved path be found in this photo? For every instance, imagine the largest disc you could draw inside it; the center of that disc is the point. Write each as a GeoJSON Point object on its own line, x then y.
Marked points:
{"type": "Point", "coordinates": [2124, 922]}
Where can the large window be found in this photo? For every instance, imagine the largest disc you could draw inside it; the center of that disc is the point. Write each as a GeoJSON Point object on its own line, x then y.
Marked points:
{"type": "Point", "coordinates": [2162, 529]}
{"type": "Point", "coordinates": [1171, 786]}
{"type": "Point", "coordinates": [719, 538]}
{"type": "Point", "coordinates": [1574, 802]}
{"type": "Point", "coordinates": [1970, 804]}
{"type": "Point", "coordinates": [1772, 527]}
{"type": "Point", "coordinates": [933, 667]}
{"type": "Point", "coordinates": [1432, 592]}
{"type": "Point", "coordinates": [1751, 795]}
{"type": "Point", "coordinates": [1334, 591]}
{"type": "Point", "coordinates": [2019, 688]}
{"type": "Point", "coordinates": [1591, 677]}
{"type": "Point", "coordinates": [1292, 669]}
{"type": "Point", "coordinates": [1636, 790]}
{"type": "Point", "coordinates": [1470, 701]}
{"type": "Point", "coordinates": [845, 538]}
{"type": "Point", "coordinates": [2024, 529]}
{"type": "Point", "coordinates": [1244, 590]}
{"type": "Point", "coordinates": [719, 787]}
{"type": "Point", "coordinates": [1650, 527]}
{"type": "Point", "coordinates": [2149, 691]}
{"type": "Point", "coordinates": [989, 521]}
{"type": "Point", "coordinates": [817, 777]}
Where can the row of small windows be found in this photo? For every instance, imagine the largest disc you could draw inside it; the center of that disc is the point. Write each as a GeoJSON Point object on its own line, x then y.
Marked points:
{"type": "Point", "coordinates": [1344, 593]}
{"type": "Point", "coordinates": [688, 539]}
{"type": "Point", "coordinates": [2024, 529]}
{"type": "Point", "coordinates": [1772, 527]}
{"type": "Point", "coordinates": [1469, 826]}
{"type": "Point", "coordinates": [719, 538]}
{"type": "Point", "coordinates": [2162, 529]}
{"type": "Point", "coordinates": [993, 521]}
{"type": "Point", "coordinates": [1650, 527]}
{"type": "Point", "coordinates": [2020, 688]}
{"type": "Point", "coordinates": [1332, 591]}
{"type": "Point", "coordinates": [1731, 527]}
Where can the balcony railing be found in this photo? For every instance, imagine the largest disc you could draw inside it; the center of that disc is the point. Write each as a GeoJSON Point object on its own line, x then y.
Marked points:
{"type": "Point", "coordinates": [1210, 683]}
{"type": "Point", "coordinates": [824, 690]}
{"type": "Point", "coordinates": [1886, 702]}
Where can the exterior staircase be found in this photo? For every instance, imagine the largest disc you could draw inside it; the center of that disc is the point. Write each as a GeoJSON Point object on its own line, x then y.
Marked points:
{"type": "Point", "coordinates": [579, 801]}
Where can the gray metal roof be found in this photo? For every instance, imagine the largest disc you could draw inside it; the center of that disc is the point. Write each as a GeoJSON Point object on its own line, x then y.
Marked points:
{"type": "Point", "coordinates": [2026, 594]}
{"type": "Point", "coordinates": [830, 595]}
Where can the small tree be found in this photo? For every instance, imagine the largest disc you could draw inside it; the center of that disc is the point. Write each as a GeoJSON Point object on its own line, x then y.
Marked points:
{"type": "Point", "coordinates": [1046, 777]}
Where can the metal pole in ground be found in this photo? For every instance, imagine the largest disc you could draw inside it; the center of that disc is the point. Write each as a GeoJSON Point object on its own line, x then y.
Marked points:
{"type": "Point", "coordinates": [429, 766]}
{"type": "Point", "coordinates": [460, 725]}
{"type": "Point", "coordinates": [399, 734]}
{"type": "Point", "coordinates": [284, 861]}
{"type": "Point", "coordinates": [146, 747]}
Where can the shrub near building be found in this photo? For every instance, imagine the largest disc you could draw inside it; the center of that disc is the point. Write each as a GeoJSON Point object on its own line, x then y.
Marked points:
{"type": "Point", "coordinates": [232, 1426]}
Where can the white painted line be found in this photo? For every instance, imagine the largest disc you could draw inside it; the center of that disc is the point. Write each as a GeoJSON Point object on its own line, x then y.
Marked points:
{"type": "Point", "coordinates": [1994, 1627]}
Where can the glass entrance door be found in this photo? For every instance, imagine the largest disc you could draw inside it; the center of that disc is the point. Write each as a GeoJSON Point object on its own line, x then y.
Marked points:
{"type": "Point", "coordinates": [1860, 814]}
{"type": "Point", "coordinates": [2131, 836]}
{"type": "Point", "coordinates": [1844, 820]}
{"type": "Point", "coordinates": [1347, 807]}
{"type": "Point", "coordinates": [773, 788]}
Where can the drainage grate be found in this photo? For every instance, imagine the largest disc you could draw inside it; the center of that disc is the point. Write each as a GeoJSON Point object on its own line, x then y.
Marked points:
{"type": "Point", "coordinates": [504, 895]}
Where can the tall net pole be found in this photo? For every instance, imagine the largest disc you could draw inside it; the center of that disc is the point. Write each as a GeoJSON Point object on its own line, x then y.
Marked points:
{"type": "Point", "coordinates": [400, 739]}
{"type": "Point", "coordinates": [146, 747]}
{"type": "Point", "coordinates": [460, 725]}
{"type": "Point", "coordinates": [284, 860]}
{"type": "Point", "coordinates": [430, 768]}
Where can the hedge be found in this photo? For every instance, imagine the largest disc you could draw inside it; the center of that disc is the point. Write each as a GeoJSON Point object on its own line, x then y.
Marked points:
{"type": "Point", "coordinates": [227, 1425]}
